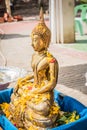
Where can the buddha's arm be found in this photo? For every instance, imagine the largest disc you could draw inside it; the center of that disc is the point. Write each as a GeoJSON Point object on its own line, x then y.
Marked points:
{"type": "Point", "coordinates": [22, 81]}
{"type": "Point", "coordinates": [29, 76]}
{"type": "Point", "coordinates": [53, 79]}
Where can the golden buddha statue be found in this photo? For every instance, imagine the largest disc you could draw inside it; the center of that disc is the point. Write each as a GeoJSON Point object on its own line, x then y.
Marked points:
{"type": "Point", "coordinates": [32, 104]}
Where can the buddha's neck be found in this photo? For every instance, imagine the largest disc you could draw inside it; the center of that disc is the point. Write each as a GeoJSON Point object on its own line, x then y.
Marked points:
{"type": "Point", "coordinates": [42, 52]}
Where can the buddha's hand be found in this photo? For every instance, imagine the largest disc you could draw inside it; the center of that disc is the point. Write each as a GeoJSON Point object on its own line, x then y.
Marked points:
{"type": "Point", "coordinates": [32, 90]}
{"type": "Point", "coordinates": [18, 85]}
{"type": "Point", "coordinates": [24, 80]}
{"type": "Point", "coordinates": [48, 86]}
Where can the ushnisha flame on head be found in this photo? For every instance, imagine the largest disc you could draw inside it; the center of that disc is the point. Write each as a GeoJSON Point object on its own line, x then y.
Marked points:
{"type": "Point", "coordinates": [42, 30]}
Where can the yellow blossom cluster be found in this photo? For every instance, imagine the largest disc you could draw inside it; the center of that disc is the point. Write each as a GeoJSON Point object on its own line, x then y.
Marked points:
{"type": "Point", "coordinates": [54, 109]}
{"type": "Point", "coordinates": [67, 117]}
{"type": "Point", "coordinates": [32, 128]}
{"type": "Point", "coordinates": [63, 117]}
{"type": "Point", "coordinates": [5, 108]}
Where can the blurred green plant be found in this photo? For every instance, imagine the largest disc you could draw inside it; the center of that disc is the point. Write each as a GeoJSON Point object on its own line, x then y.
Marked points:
{"type": "Point", "coordinates": [67, 117]}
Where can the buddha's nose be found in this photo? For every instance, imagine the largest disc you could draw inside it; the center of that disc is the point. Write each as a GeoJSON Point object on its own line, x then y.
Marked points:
{"type": "Point", "coordinates": [33, 45]}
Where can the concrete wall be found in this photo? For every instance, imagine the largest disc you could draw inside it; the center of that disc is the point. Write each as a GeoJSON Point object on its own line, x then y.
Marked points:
{"type": "Point", "coordinates": [68, 21]}
{"type": "Point", "coordinates": [62, 21]}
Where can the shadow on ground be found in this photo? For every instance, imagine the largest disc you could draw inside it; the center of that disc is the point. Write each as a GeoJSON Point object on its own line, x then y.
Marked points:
{"type": "Point", "coordinates": [11, 36]}
{"type": "Point", "coordinates": [74, 77]}
{"type": "Point", "coordinates": [81, 41]}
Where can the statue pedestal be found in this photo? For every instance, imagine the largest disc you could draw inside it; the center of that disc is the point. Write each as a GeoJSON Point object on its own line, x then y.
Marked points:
{"type": "Point", "coordinates": [65, 102]}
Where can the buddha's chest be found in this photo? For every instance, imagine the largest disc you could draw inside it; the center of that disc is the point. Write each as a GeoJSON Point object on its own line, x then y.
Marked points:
{"type": "Point", "coordinates": [39, 63]}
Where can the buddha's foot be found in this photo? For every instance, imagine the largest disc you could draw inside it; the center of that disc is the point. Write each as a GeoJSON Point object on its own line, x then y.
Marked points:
{"type": "Point", "coordinates": [16, 115]}
{"type": "Point", "coordinates": [30, 126]}
{"type": "Point", "coordinates": [40, 120]}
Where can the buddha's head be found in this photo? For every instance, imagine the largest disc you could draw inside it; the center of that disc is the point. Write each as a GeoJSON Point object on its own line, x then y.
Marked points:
{"type": "Point", "coordinates": [41, 35]}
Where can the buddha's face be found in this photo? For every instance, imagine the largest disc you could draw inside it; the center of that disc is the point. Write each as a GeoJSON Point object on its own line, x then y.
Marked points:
{"type": "Point", "coordinates": [37, 43]}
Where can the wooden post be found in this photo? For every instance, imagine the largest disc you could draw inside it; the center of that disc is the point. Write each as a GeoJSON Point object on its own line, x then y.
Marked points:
{"type": "Point", "coordinates": [8, 9]}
